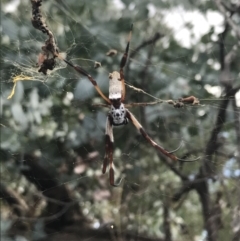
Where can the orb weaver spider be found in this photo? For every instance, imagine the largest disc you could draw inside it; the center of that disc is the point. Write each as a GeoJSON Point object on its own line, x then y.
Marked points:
{"type": "Point", "coordinates": [119, 115]}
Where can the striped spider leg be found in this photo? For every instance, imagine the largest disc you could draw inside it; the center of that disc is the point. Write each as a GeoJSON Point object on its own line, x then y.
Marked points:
{"type": "Point", "coordinates": [139, 127]}
{"type": "Point", "coordinates": [118, 115]}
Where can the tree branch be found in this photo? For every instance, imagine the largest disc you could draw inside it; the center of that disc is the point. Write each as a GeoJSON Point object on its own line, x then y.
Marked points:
{"type": "Point", "coordinates": [151, 40]}
{"type": "Point", "coordinates": [234, 26]}
{"type": "Point", "coordinates": [236, 230]}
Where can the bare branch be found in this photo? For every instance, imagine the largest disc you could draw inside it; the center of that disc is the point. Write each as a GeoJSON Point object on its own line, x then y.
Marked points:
{"type": "Point", "coordinates": [151, 40]}
{"type": "Point", "coordinates": [46, 59]}
{"type": "Point", "coordinates": [173, 168]}
{"type": "Point", "coordinates": [166, 221]}
{"type": "Point", "coordinates": [234, 26]}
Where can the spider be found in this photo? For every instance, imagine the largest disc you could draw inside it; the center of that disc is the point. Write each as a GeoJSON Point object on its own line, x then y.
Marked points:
{"type": "Point", "coordinates": [118, 115]}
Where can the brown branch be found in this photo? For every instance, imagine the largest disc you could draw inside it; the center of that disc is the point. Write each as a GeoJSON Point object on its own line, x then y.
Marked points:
{"type": "Point", "coordinates": [173, 168]}
{"type": "Point", "coordinates": [207, 170]}
{"type": "Point", "coordinates": [223, 154]}
{"type": "Point", "coordinates": [201, 186]}
{"type": "Point", "coordinates": [46, 59]}
{"type": "Point", "coordinates": [236, 89]}
{"type": "Point", "coordinates": [233, 25]}
{"type": "Point", "coordinates": [222, 37]}
{"type": "Point", "coordinates": [151, 40]}
{"type": "Point", "coordinates": [225, 78]}
{"type": "Point", "coordinates": [187, 186]}
{"type": "Point", "coordinates": [166, 221]}
{"type": "Point", "coordinates": [233, 8]}
{"type": "Point", "coordinates": [213, 144]}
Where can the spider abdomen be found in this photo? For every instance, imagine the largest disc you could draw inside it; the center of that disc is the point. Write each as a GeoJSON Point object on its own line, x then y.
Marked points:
{"type": "Point", "coordinates": [115, 86]}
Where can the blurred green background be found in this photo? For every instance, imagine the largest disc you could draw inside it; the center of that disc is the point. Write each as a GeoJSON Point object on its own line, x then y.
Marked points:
{"type": "Point", "coordinates": [52, 136]}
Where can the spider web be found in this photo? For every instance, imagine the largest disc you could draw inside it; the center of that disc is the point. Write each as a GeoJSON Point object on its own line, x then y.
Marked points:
{"type": "Point", "coordinates": [52, 132]}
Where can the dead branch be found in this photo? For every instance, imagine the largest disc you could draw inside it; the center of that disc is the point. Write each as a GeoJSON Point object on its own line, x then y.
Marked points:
{"type": "Point", "coordinates": [46, 59]}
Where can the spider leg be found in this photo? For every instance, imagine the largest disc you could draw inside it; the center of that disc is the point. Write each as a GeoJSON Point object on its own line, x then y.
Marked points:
{"type": "Point", "coordinates": [129, 105]}
{"type": "Point", "coordinates": [183, 160]}
{"type": "Point", "coordinates": [108, 158]}
{"type": "Point", "coordinates": [177, 148]}
{"type": "Point", "coordinates": [123, 63]}
{"type": "Point", "coordinates": [135, 122]}
{"type": "Point", "coordinates": [80, 70]}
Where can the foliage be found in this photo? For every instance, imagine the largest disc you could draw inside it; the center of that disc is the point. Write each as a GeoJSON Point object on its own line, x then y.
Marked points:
{"type": "Point", "coordinates": [53, 119]}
